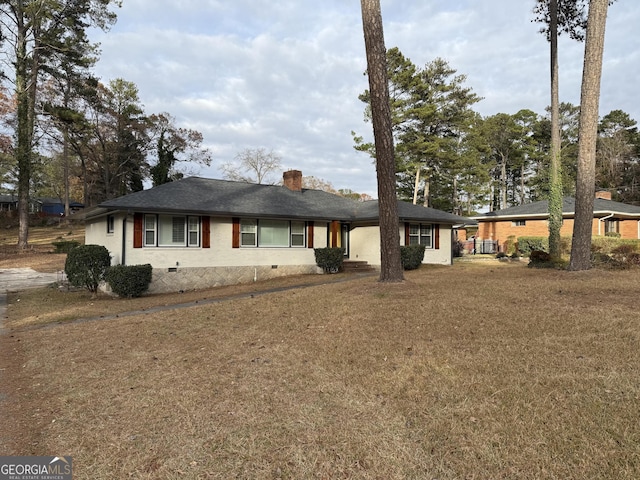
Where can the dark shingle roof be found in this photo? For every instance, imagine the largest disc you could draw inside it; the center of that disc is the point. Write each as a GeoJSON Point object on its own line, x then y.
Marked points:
{"type": "Point", "coordinates": [601, 206]}
{"type": "Point", "coordinates": [410, 212]}
{"type": "Point", "coordinates": [226, 198]}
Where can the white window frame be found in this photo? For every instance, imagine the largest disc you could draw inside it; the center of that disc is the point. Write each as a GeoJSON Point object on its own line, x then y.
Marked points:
{"type": "Point", "coordinates": [186, 226]}
{"type": "Point", "coordinates": [297, 238]}
{"type": "Point", "coordinates": [193, 228]}
{"type": "Point", "coordinates": [518, 223]}
{"type": "Point", "coordinates": [248, 233]}
{"type": "Point", "coordinates": [251, 235]}
{"type": "Point", "coordinates": [422, 232]}
{"type": "Point", "coordinates": [173, 227]}
{"type": "Point", "coordinates": [150, 227]}
{"type": "Point", "coordinates": [111, 224]}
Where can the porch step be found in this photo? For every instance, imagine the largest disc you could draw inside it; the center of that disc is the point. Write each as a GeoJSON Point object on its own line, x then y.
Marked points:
{"type": "Point", "coordinates": [357, 266]}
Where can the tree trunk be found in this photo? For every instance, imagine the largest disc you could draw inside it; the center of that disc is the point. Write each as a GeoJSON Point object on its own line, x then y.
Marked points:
{"type": "Point", "coordinates": [23, 137]}
{"type": "Point", "coordinates": [391, 265]}
{"type": "Point", "coordinates": [416, 185]}
{"type": "Point", "coordinates": [454, 196]}
{"type": "Point", "coordinates": [427, 191]}
{"type": "Point", "coordinates": [588, 134]}
{"type": "Point", "coordinates": [503, 184]}
{"type": "Point", "coordinates": [555, 165]}
{"type": "Point", "coordinates": [522, 185]}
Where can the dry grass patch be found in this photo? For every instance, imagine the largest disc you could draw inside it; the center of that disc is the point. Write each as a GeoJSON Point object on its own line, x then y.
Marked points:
{"type": "Point", "coordinates": [34, 308]}
{"type": "Point", "coordinates": [462, 372]}
{"type": "Point", "coordinates": [39, 255]}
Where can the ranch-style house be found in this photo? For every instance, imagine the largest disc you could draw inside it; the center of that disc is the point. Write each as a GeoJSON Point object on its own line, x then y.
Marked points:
{"type": "Point", "coordinates": [199, 233]}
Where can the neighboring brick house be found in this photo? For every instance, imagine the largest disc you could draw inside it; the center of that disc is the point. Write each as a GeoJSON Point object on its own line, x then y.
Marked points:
{"type": "Point", "coordinates": [531, 220]}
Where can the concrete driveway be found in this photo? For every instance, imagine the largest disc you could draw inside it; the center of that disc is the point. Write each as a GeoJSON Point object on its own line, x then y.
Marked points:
{"type": "Point", "coordinates": [12, 279]}
{"type": "Point", "coordinates": [20, 278]}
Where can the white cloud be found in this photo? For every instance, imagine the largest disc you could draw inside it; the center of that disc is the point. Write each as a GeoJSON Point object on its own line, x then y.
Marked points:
{"type": "Point", "coordinates": [286, 75]}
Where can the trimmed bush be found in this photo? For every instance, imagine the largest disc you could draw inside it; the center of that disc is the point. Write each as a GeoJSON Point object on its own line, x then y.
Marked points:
{"type": "Point", "coordinates": [65, 246]}
{"type": "Point", "coordinates": [612, 234]}
{"type": "Point", "coordinates": [329, 259]}
{"type": "Point", "coordinates": [129, 280]}
{"type": "Point", "coordinates": [86, 266]}
{"type": "Point", "coordinates": [526, 245]}
{"type": "Point", "coordinates": [411, 256]}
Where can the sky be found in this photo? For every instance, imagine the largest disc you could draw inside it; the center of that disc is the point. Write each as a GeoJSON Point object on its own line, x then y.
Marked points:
{"type": "Point", "coordinates": [285, 75]}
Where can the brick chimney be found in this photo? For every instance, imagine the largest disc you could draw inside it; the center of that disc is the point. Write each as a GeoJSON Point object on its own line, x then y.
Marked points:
{"type": "Point", "coordinates": [603, 194]}
{"type": "Point", "coordinates": [293, 180]}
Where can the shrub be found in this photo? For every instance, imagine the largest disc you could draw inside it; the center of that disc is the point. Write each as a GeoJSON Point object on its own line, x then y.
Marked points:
{"type": "Point", "coordinates": [541, 259]}
{"type": "Point", "coordinates": [65, 246]}
{"type": "Point", "coordinates": [606, 261]}
{"type": "Point", "coordinates": [129, 280]}
{"type": "Point", "coordinates": [411, 256]}
{"type": "Point", "coordinates": [510, 245]}
{"type": "Point", "coordinates": [538, 256]}
{"type": "Point", "coordinates": [612, 234]}
{"type": "Point", "coordinates": [624, 249]}
{"type": "Point", "coordinates": [565, 245]}
{"type": "Point", "coordinates": [526, 245]}
{"type": "Point", "coordinates": [609, 244]}
{"type": "Point", "coordinates": [329, 259]}
{"type": "Point", "coordinates": [86, 266]}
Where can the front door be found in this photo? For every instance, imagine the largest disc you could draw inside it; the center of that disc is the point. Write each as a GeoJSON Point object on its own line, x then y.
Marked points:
{"type": "Point", "coordinates": [339, 236]}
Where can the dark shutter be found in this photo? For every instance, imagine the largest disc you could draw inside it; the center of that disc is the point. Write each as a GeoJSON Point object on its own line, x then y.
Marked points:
{"type": "Point", "coordinates": [137, 230]}
{"type": "Point", "coordinates": [436, 234]}
{"type": "Point", "coordinates": [310, 235]}
{"type": "Point", "coordinates": [407, 229]}
{"type": "Point", "coordinates": [235, 240]}
{"type": "Point", "coordinates": [206, 232]}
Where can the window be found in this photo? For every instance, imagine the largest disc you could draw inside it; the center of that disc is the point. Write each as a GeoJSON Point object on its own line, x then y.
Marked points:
{"type": "Point", "coordinates": [272, 233]}
{"type": "Point", "coordinates": [111, 223]}
{"type": "Point", "coordinates": [171, 231]}
{"type": "Point", "coordinates": [149, 230]}
{"type": "Point", "coordinates": [519, 223]}
{"type": "Point", "coordinates": [194, 231]}
{"type": "Point", "coordinates": [297, 234]}
{"type": "Point", "coordinates": [421, 235]}
{"type": "Point", "coordinates": [612, 226]}
{"type": "Point", "coordinates": [248, 233]}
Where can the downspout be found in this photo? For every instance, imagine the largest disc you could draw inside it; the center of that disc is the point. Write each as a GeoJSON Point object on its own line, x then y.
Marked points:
{"type": "Point", "coordinates": [124, 241]}
{"type": "Point", "coordinates": [602, 220]}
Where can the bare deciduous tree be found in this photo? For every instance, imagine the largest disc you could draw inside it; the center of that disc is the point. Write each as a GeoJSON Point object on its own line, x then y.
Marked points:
{"type": "Point", "coordinates": [253, 165]}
